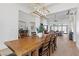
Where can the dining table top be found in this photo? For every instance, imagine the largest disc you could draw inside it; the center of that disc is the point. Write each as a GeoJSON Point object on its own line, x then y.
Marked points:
{"type": "Point", "coordinates": [24, 45]}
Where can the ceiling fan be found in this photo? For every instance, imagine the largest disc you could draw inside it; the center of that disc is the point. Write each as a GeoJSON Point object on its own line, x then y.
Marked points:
{"type": "Point", "coordinates": [55, 19]}
{"type": "Point", "coordinates": [69, 12]}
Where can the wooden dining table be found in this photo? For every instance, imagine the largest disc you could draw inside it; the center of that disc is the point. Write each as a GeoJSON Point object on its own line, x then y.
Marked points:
{"type": "Point", "coordinates": [25, 45]}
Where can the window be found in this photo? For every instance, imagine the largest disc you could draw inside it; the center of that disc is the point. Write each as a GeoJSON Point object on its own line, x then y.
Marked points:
{"type": "Point", "coordinates": [65, 28]}
{"type": "Point", "coordinates": [59, 28]}
{"type": "Point", "coordinates": [56, 28]}
{"type": "Point", "coordinates": [45, 27]}
{"type": "Point", "coordinates": [52, 28]}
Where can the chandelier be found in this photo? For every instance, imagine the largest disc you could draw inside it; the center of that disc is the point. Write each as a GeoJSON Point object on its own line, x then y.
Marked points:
{"type": "Point", "coordinates": [44, 11]}
{"type": "Point", "coordinates": [41, 11]}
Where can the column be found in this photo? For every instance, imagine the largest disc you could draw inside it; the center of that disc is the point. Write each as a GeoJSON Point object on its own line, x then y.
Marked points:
{"type": "Point", "coordinates": [77, 28]}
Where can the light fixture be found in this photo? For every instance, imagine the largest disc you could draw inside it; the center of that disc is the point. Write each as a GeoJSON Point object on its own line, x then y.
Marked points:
{"type": "Point", "coordinates": [55, 18]}
{"type": "Point", "coordinates": [42, 10]}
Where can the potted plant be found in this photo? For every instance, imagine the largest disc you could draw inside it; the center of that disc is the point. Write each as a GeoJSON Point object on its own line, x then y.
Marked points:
{"type": "Point", "coordinates": [40, 30]}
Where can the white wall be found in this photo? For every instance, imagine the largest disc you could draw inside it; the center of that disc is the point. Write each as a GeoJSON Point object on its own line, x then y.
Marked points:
{"type": "Point", "coordinates": [72, 25]}
{"type": "Point", "coordinates": [44, 21]}
{"type": "Point", "coordinates": [37, 22]}
{"type": "Point", "coordinates": [8, 23]}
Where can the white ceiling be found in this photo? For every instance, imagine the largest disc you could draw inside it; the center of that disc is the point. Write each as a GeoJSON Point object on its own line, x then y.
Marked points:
{"type": "Point", "coordinates": [30, 7]}
{"type": "Point", "coordinates": [59, 15]}
{"type": "Point", "coordinates": [62, 16]}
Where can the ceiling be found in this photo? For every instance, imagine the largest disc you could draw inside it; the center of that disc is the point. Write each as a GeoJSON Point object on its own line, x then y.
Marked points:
{"type": "Point", "coordinates": [54, 16]}
{"type": "Point", "coordinates": [59, 15]}
{"type": "Point", "coordinates": [62, 16]}
{"type": "Point", "coordinates": [33, 6]}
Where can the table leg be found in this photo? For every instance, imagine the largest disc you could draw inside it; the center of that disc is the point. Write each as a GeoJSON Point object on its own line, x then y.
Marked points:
{"type": "Point", "coordinates": [35, 52]}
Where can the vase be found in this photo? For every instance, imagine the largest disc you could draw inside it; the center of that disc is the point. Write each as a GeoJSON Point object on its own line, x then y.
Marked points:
{"type": "Point", "coordinates": [40, 35]}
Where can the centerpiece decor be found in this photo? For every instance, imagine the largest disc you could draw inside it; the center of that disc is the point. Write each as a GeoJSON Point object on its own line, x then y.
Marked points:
{"type": "Point", "coordinates": [40, 30]}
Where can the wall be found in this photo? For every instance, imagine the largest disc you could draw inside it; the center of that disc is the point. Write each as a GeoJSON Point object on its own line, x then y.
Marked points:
{"type": "Point", "coordinates": [37, 22]}
{"type": "Point", "coordinates": [8, 23]}
{"type": "Point", "coordinates": [44, 21]}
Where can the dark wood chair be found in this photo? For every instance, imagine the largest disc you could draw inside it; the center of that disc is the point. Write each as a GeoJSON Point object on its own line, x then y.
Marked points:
{"type": "Point", "coordinates": [44, 50]}
{"type": "Point", "coordinates": [53, 42]}
{"type": "Point", "coordinates": [23, 33]}
{"type": "Point", "coordinates": [33, 34]}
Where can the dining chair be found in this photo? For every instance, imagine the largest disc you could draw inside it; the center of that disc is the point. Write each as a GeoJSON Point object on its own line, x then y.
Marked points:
{"type": "Point", "coordinates": [44, 50]}
{"type": "Point", "coordinates": [33, 34]}
{"type": "Point", "coordinates": [53, 42]}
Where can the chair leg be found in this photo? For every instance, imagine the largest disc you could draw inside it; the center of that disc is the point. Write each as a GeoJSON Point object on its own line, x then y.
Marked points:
{"type": "Point", "coordinates": [49, 52]}
{"type": "Point", "coordinates": [54, 42]}
{"type": "Point", "coordinates": [52, 48]}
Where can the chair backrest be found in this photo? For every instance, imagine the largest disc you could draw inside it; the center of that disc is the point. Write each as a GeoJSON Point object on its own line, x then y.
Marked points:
{"type": "Point", "coordinates": [52, 37]}
{"type": "Point", "coordinates": [23, 33]}
{"type": "Point", "coordinates": [45, 46]}
{"type": "Point", "coordinates": [47, 40]}
{"type": "Point", "coordinates": [33, 33]}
